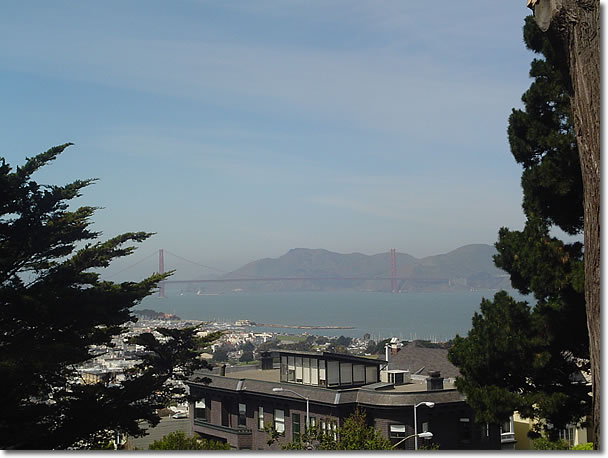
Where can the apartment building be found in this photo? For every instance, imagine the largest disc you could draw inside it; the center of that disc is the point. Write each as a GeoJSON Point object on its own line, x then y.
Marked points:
{"type": "Point", "coordinates": [326, 388]}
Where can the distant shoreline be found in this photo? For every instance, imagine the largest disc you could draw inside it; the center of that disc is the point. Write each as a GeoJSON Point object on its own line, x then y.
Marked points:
{"type": "Point", "coordinates": [302, 327]}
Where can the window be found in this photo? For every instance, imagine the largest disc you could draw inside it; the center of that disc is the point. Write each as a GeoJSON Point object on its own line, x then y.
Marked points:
{"type": "Point", "coordinates": [298, 369]}
{"type": "Point", "coordinates": [225, 414]}
{"type": "Point", "coordinates": [291, 369]}
{"type": "Point", "coordinates": [313, 422]}
{"type": "Point", "coordinates": [397, 431]}
{"type": "Point", "coordinates": [201, 411]}
{"type": "Point", "coordinates": [314, 371]}
{"type": "Point", "coordinates": [260, 417]}
{"type": "Point", "coordinates": [334, 429]}
{"type": "Point", "coordinates": [279, 420]}
{"type": "Point", "coordinates": [568, 435]}
{"type": "Point", "coordinates": [359, 373]}
{"type": "Point", "coordinates": [295, 426]}
{"type": "Point", "coordinates": [346, 373]}
{"type": "Point", "coordinates": [371, 374]}
{"type": "Point", "coordinates": [322, 373]}
{"type": "Point", "coordinates": [306, 371]}
{"type": "Point", "coordinates": [333, 373]}
{"type": "Point", "coordinates": [242, 415]}
{"type": "Point", "coordinates": [464, 431]}
{"type": "Point", "coordinates": [284, 368]}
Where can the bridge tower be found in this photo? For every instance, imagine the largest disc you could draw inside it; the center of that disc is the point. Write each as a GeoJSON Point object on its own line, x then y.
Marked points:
{"type": "Point", "coordinates": [161, 270]}
{"type": "Point", "coordinates": [393, 270]}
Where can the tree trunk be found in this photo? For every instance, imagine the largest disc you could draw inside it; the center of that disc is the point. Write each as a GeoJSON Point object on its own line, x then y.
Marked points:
{"type": "Point", "coordinates": [574, 25]}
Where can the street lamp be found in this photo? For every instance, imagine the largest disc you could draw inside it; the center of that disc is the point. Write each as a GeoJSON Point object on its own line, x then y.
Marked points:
{"type": "Point", "coordinates": [280, 390]}
{"type": "Point", "coordinates": [428, 404]}
{"type": "Point", "coordinates": [424, 435]}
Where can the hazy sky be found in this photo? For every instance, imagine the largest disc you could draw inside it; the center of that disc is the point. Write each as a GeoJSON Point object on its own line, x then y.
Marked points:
{"type": "Point", "coordinates": [241, 129]}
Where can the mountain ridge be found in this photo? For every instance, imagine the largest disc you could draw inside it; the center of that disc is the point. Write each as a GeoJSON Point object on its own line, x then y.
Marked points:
{"type": "Point", "coordinates": [464, 268]}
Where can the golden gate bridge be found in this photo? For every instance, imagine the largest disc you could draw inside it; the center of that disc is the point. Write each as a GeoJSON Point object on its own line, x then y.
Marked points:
{"type": "Point", "coordinates": [396, 282]}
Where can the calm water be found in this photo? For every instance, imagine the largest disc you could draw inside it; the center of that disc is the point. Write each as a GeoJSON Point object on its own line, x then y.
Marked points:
{"type": "Point", "coordinates": [410, 315]}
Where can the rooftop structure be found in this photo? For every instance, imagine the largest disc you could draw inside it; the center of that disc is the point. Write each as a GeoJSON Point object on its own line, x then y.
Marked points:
{"type": "Point", "coordinates": [236, 406]}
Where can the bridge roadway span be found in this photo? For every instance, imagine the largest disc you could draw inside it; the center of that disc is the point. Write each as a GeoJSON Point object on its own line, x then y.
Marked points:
{"type": "Point", "coordinates": [225, 280]}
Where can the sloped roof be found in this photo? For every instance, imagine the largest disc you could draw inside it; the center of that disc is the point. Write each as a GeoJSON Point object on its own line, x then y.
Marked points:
{"type": "Point", "coordinates": [413, 357]}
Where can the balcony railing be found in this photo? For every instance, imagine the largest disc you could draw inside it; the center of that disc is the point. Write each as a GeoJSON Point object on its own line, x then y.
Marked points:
{"type": "Point", "coordinates": [226, 429]}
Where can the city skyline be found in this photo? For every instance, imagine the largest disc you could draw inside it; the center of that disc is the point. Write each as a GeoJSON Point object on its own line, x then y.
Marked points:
{"type": "Point", "coordinates": [237, 131]}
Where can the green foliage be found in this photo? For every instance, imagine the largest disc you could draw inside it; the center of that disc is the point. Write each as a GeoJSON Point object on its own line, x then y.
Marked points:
{"type": "Point", "coordinates": [355, 434]}
{"type": "Point", "coordinates": [221, 354]}
{"type": "Point", "coordinates": [431, 446]}
{"type": "Point", "coordinates": [585, 446]}
{"type": "Point", "coordinates": [246, 357]}
{"type": "Point", "coordinates": [542, 443]}
{"type": "Point", "coordinates": [179, 441]}
{"type": "Point", "coordinates": [543, 140]}
{"type": "Point", "coordinates": [377, 348]}
{"type": "Point", "coordinates": [525, 358]}
{"type": "Point", "coordinates": [54, 306]}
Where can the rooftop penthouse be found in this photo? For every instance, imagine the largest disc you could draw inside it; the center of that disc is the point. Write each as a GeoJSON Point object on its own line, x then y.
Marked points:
{"type": "Point", "coordinates": [287, 387]}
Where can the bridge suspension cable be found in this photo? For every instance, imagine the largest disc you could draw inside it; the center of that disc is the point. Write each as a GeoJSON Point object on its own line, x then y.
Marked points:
{"type": "Point", "coordinates": [195, 263]}
{"type": "Point", "coordinates": [154, 253]}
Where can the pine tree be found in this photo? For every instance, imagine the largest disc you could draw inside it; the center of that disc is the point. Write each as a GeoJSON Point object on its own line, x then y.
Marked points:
{"type": "Point", "coordinates": [54, 306]}
{"type": "Point", "coordinates": [525, 358]}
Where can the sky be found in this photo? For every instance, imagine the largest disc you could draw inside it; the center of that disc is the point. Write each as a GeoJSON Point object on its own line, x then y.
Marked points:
{"type": "Point", "coordinates": [237, 130]}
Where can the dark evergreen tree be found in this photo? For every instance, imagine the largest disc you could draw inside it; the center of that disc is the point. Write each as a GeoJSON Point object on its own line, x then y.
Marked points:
{"type": "Point", "coordinates": [54, 306]}
{"type": "Point", "coordinates": [517, 357]}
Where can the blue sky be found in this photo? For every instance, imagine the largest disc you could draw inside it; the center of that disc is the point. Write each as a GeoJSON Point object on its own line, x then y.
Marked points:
{"type": "Point", "coordinates": [241, 129]}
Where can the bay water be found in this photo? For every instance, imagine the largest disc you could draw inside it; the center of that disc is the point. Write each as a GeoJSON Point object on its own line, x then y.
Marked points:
{"type": "Point", "coordinates": [423, 315]}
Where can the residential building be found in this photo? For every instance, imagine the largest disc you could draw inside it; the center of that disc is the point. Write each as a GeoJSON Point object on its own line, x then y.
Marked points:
{"type": "Point", "coordinates": [236, 407]}
{"type": "Point", "coordinates": [521, 426]}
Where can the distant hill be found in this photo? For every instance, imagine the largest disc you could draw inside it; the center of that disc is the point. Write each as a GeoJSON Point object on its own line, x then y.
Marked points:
{"type": "Point", "coordinates": [467, 267]}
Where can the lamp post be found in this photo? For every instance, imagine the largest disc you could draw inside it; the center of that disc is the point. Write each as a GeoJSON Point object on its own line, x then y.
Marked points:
{"type": "Point", "coordinates": [280, 390]}
{"type": "Point", "coordinates": [424, 435]}
{"type": "Point", "coordinates": [428, 404]}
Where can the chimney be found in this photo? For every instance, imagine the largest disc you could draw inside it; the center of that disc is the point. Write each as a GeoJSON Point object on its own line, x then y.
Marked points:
{"type": "Point", "coordinates": [434, 382]}
{"type": "Point", "coordinates": [266, 360]}
{"type": "Point", "coordinates": [386, 356]}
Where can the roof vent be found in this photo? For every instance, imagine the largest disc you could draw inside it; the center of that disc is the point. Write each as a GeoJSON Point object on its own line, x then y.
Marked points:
{"type": "Point", "coordinates": [434, 382]}
{"type": "Point", "coordinates": [266, 360]}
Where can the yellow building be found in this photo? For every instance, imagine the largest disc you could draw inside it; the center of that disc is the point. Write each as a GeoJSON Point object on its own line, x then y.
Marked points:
{"type": "Point", "coordinates": [572, 435]}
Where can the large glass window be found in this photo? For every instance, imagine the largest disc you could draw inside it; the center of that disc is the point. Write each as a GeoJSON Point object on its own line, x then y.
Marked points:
{"type": "Point", "coordinates": [371, 374]}
{"type": "Point", "coordinates": [298, 369]}
{"type": "Point", "coordinates": [314, 371]}
{"type": "Point", "coordinates": [201, 411]}
{"type": "Point", "coordinates": [346, 373]}
{"type": "Point", "coordinates": [306, 371]}
{"type": "Point", "coordinates": [284, 368]}
{"type": "Point", "coordinates": [333, 373]}
{"type": "Point", "coordinates": [322, 373]}
{"type": "Point", "coordinates": [242, 415]}
{"type": "Point", "coordinates": [279, 420]}
{"type": "Point", "coordinates": [291, 369]}
{"type": "Point", "coordinates": [260, 417]}
{"type": "Point", "coordinates": [358, 373]}
{"type": "Point", "coordinates": [295, 426]}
